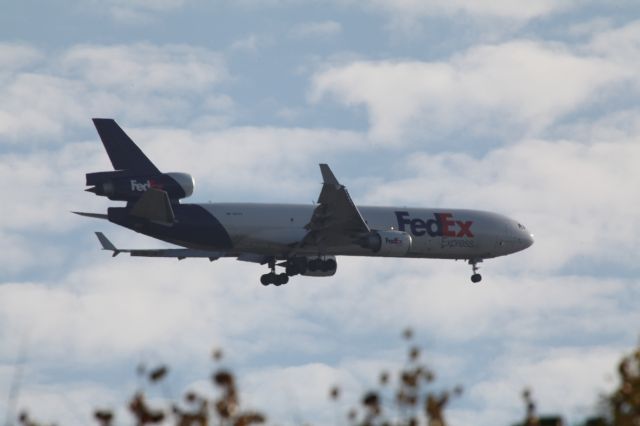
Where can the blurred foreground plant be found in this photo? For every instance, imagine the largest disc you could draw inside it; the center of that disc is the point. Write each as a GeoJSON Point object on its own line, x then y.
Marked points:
{"type": "Point", "coordinates": [196, 410]}
{"type": "Point", "coordinates": [412, 403]}
{"type": "Point", "coordinates": [624, 403]}
{"type": "Point", "coordinates": [620, 408]}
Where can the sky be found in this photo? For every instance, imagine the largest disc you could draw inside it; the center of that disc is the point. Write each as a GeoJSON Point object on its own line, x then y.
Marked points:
{"type": "Point", "coordinates": [529, 109]}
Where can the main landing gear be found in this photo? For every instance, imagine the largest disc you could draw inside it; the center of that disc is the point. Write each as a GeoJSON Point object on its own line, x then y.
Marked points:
{"type": "Point", "coordinates": [272, 277]}
{"type": "Point", "coordinates": [476, 277]}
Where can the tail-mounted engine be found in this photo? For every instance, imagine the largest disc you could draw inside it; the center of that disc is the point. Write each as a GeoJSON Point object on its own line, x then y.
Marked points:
{"type": "Point", "coordinates": [387, 243]}
{"type": "Point", "coordinates": [133, 172]}
{"type": "Point", "coordinates": [125, 186]}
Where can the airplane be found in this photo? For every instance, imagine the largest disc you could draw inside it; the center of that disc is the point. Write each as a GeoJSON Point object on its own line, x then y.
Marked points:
{"type": "Point", "coordinates": [302, 239]}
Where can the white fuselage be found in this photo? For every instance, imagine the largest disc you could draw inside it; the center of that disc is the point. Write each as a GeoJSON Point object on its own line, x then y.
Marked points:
{"type": "Point", "coordinates": [436, 233]}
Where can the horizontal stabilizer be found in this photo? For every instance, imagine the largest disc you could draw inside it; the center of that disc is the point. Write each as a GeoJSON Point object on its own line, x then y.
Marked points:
{"type": "Point", "coordinates": [181, 253]}
{"type": "Point", "coordinates": [155, 206]}
{"type": "Point", "coordinates": [123, 152]}
{"type": "Point", "coordinates": [93, 215]}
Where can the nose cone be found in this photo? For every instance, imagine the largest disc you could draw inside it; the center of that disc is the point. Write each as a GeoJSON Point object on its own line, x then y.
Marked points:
{"type": "Point", "coordinates": [523, 238]}
{"type": "Point", "coordinates": [528, 241]}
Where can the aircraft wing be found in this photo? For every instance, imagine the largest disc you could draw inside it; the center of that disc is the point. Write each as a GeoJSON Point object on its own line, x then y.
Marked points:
{"type": "Point", "coordinates": [336, 219]}
{"type": "Point", "coordinates": [175, 253]}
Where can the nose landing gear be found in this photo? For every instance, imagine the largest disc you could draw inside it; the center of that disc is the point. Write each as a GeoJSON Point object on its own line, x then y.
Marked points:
{"type": "Point", "coordinates": [476, 277]}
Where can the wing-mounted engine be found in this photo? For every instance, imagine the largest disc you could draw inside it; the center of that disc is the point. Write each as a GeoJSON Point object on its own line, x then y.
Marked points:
{"type": "Point", "coordinates": [122, 185]}
{"type": "Point", "coordinates": [387, 243]}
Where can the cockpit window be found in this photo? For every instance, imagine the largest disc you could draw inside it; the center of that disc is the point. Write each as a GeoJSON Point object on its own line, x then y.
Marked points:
{"type": "Point", "coordinates": [521, 226]}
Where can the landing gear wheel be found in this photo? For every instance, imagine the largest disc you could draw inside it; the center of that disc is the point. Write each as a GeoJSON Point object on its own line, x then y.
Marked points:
{"type": "Point", "coordinates": [476, 277]}
{"type": "Point", "coordinates": [267, 279]}
{"type": "Point", "coordinates": [280, 279]}
{"type": "Point", "coordinates": [273, 278]}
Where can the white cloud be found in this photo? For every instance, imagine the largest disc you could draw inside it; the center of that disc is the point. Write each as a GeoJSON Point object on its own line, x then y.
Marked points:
{"type": "Point", "coordinates": [140, 11]}
{"type": "Point", "coordinates": [196, 305]}
{"type": "Point", "coordinates": [531, 322]}
{"type": "Point", "coordinates": [619, 45]}
{"type": "Point", "coordinates": [252, 42]}
{"type": "Point", "coordinates": [116, 309]}
{"type": "Point", "coordinates": [615, 126]}
{"type": "Point", "coordinates": [295, 394]}
{"type": "Point", "coordinates": [14, 56]}
{"type": "Point", "coordinates": [590, 27]}
{"type": "Point", "coordinates": [486, 89]}
{"type": "Point", "coordinates": [39, 104]}
{"type": "Point", "coordinates": [248, 43]}
{"type": "Point", "coordinates": [481, 8]}
{"type": "Point", "coordinates": [44, 187]}
{"type": "Point", "coordinates": [145, 68]}
{"type": "Point", "coordinates": [55, 180]}
{"type": "Point", "coordinates": [159, 5]}
{"type": "Point", "coordinates": [491, 19]}
{"type": "Point", "coordinates": [565, 381]}
{"type": "Point", "coordinates": [66, 404]}
{"type": "Point", "coordinates": [125, 308]}
{"type": "Point", "coordinates": [17, 253]}
{"type": "Point", "coordinates": [286, 159]}
{"type": "Point", "coordinates": [100, 317]}
{"type": "Point", "coordinates": [321, 29]}
{"type": "Point", "coordinates": [142, 82]}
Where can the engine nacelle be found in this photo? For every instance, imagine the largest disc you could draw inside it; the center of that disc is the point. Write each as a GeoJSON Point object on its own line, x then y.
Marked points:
{"type": "Point", "coordinates": [124, 186]}
{"type": "Point", "coordinates": [388, 243]}
{"type": "Point", "coordinates": [323, 266]}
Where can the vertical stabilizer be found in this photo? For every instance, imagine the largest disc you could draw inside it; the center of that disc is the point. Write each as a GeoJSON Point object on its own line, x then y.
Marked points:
{"type": "Point", "coordinates": [123, 152]}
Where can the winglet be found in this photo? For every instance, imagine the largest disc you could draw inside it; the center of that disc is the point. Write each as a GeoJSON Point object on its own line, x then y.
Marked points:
{"type": "Point", "coordinates": [328, 176]}
{"type": "Point", "coordinates": [106, 244]}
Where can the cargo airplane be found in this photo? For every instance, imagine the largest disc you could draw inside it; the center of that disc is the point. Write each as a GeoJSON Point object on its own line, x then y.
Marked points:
{"type": "Point", "coordinates": [299, 238]}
